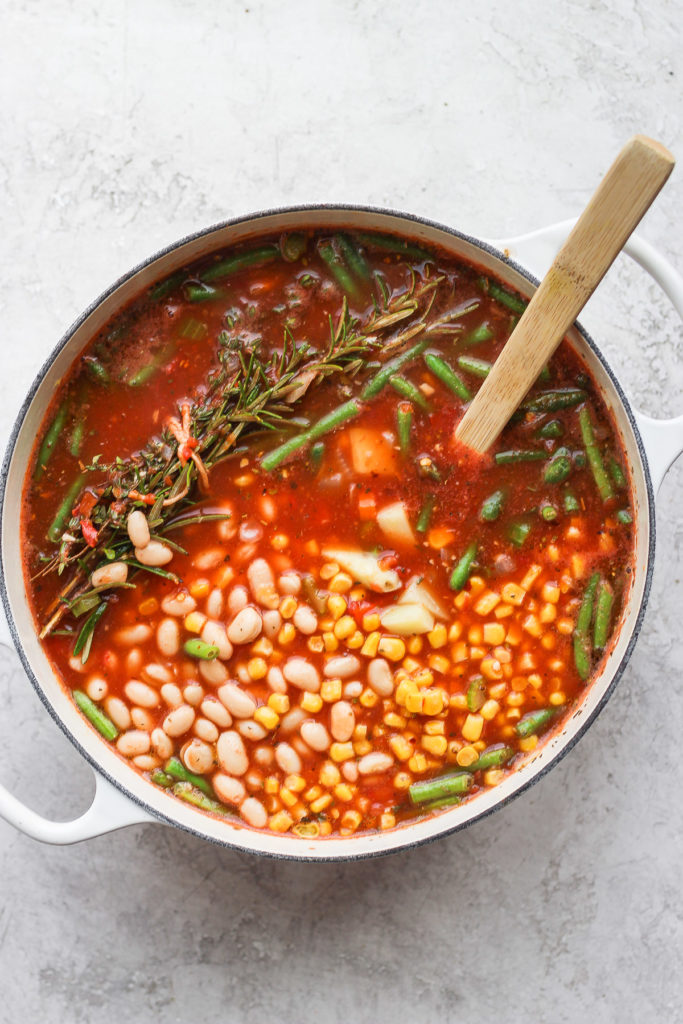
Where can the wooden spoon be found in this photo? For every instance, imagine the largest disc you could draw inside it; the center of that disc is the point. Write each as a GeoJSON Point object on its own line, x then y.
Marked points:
{"type": "Point", "coordinates": [622, 197]}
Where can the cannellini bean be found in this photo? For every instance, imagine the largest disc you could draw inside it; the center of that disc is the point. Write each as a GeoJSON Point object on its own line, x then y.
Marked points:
{"type": "Point", "coordinates": [250, 532]}
{"type": "Point", "coordinates": [133, 661]}
{"type": "Point", "coordinates": [205, 730]}
{"type": "Point", "coordinates": [141, 694]}
{"type": "Point", "coordinates": [138, 528]}
{"type": "Point", "coordinates": [353, 689]}
{"type": "Point", "coordinates": [238, 702]}
{"type": "Point", "coordinates": [253, 812]}
{"type": "Point", "coordinates": [141, 719]}
{"type": "Point", "coordinates": [315, 735]}
{"type": "Point", "coordinates": [287, 759]}
{"type": "Point", "coordinates": [162, 745]}
{"type": "Point", "coordinates": [263, 755]}
{"type": "Point", "coordinates": [302, 747]}
{"type": "Point", "coordinates": [380, 677]}
{"type": "Point", "coordinates": [96, 688]}
{"type": "Point", "coordinates": [232, 754]}
{"type": "Point", "coordinates": [193, 694]}
{"type": "Point", "coordinates": [146, 762]}
{"type": "Point", "coordinates": [262, 583]}
{"type": "Point", "coordinates": [179, 720]}
{"type": "Point", "coordinates": [375, 762]}
{"type": "Point", "coordinates": [106, 575]}
{"type": "Point", "coordinates": [349, 770]}
{"type": "Point", "coordinates": [168, 637]}
{"type": "Point", "coordinates": [209, 559]}
{"type": "Point", "coordinates": [253, 780]}
{"type": "Point", "coordinates": [179, 604]}
{"type": "Point", "coordinates": [245, 627]}
{"type": "Point", "coordinates": [171, 694]}
{"type": "Point", "coordinates": [272, 620]}
{"type": "Point", "coordinates": [213, 672]}
{"type": "Point", "coordinates": [227, 528]}
{"type": "Point", "coordinates": [214, 633]}
{"type": "Point", "coordinates": [267, 508]}
{"type": "Point", "coordinates": [292, 720]}
{"type": "Point", "coordinates": [238, 598]}
{"type": "Point", "coordinates": [305, 619]}
{"type": "Point", "coordinates": [276, 680]}
{"type": "Point", "coordinates": [214, 604]}
{"type": "Point", "coordinates": [227, 789]}
{"type": "Point", "coordinates": [197, 756]}
{"type": "Point", "coordinates": [212, 709]}
{"type": "Point", "coordinates": [157, 673]}
{"type": "Point", "coordinates": [242, 673]}
{"type": "Point", "coordinates": [154, 554]}
{"type": "Point", "coordinates": [251, 730]}
{"type": "Point", "coordinates": [76, 665]}
{"type": "Point", "coordinates": [118, 712]}
{"type": "Point", "coordinates": [289, 583]}
{"type": "Point", "coordinates": [342, 720]}
{"type": "Point", "coordinates": [133, 742]}
{"type": "Point", "coordinates": [302, 674]}
{"type": "Point", "coordinates": [131, 635]}
{"type": "Point", "coordinates": [342, 666]}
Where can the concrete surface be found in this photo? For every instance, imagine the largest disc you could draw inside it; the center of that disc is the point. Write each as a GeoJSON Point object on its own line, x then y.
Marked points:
{"type": "Point", "coordinates": [125, 125]}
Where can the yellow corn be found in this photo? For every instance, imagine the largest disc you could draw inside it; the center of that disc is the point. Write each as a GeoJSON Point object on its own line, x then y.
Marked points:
{"type": "Point", "coordinates": [257, 668]}
{"type": "Point", "coordinates": [371, 645]}
{"type": "Point", "coordinates": [436, 745]}
{"type": "Point", "coordinates": [438, 663]}
{"type": "Point", "coordinates": [491, 668]}
{"type": "Point", "coordinates": [355, 640]}
{"type": "Point", "coordinates": [344, 627]}
{"type": "Point", "coordinates": [343, 792]}
{"type": "Point", "coordinates": [436, 727]}
{"type": "Point", "coordinates": [536, 680]}
{"type": "Point", "coordinates": [477, 584]}
{"type": "Point", "coordinates": [313, 793]}
{"type": "Point", "coordinates": [288, 605]}
{"type": "Point", "coordinates": [281, 822]}
{"type": "Point", "coordinates": [455, 632]}
{"type": "Point", "coordinates": [368, 698]}
{"type": "Point", "coordinates": [340, 583]}
{"type": "Point", "coordinates": [296, 783]}
{"type": "Point", "coordinates": [528, 743]}
{"type": "Point", "coordinates": [394, 720]}
{"type": "Point", "coordinates": [487, 602]}
{"type": "Point", "coordinates": [336, 606]}
{"type": "Point", "coordinates": [434, 701]}
{"type": "Point", "coordinates": [328, 570]}
{"type": "Point", "coordinates": [494, 633]}
{"type": "Point", "coordinates": [557, 698]}
{"type": "Point", "coordinates": [550, 592]}
{"type": "Point", "coordinates": [330, 642]}
{"type": "Point", "coordinates": [360, 732]}
{"type": "Point", "coordinates": [438, 636]}
{"type": "Point", "coordinates": [341, 751]}
{"type": "Point", "coordinates": [279, 702]}
{"type": "Point", "coordinates": [362, 747]}
{"type": "Point", "coordinates": [311, 702]}
{"type": "Point", "coordinates": [321, 803]}
{"type": "Point", "coordinates": [286, 634]}
{"type": "Point", "coordinates": [387, 820]}
{"type": "Point", "coordinates": [466, 756]}
{"type": "Point", "coordinates": [401, 747]}
{"type": "Point", "coordinates": [503, 611]}
{"type": "Point", "coordinates": [350, 821]}
{"type": "Point", "coordinates": [404, 688]}
{"type": "Point", "coordinates": [331, 690]}
{"type": "Point", "coordinates": [512, 594]}
{"type": "Point", "coordinates": [370, 622]}
{"type": "Point", "coordinates": [514, 700]}
{"type": "Point", "coordinates": [391, 647]}
{"type": "Point", "coordinates": [418, 763]}
{"type": "Point", "coordinates": [489, 710]}
{"type": "Point", "coordinates": [315, 644]}
{"type": "Point", "coordinates": [532, 574]}
{"type": "Point", "coordinates": [194, 622]}
{"type": "Point", "coordinates": [414, 703]}
{"type": "Point", "coordinates": [458, 701]}
{"type": "Point", "coordinates": [149, 606]}
{"type": "Point", "coordinates": [288, 798]}
{"type": "Point", "coordinates": [266, 717]}
{"type": "Point", "coordinates": [414, 644]}
{"type": "Point", "coordinates": [271, 784]}
{"type": "Point", "coordinates": [472, 727]}
{"type": "Point", "coordinates": [200, 588]}
{"type": "Point", "coordinates": [279, 542]}
{"type": "Point", "coordinates": [402, 780]}
{"type": "Point", "coordinates": [329, 775]}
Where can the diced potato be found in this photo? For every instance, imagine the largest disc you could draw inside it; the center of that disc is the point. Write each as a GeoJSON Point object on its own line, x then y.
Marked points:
{"type": "Point", "coordinates": [419, 592]}
{"type": "Point", "coordinates": [407, 619]}
{"type": "Point", "coordinates": [365, 568]}
{"type": "Point", "coordinates": [371, 451]}
{"type": "Point", "coordinates": [393, 521]}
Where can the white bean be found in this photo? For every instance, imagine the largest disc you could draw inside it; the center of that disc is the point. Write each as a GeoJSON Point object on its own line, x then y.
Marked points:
{"type": "Point", "coordinates": [242, 673]}
{"type": "Point", "coordinates": [315, 735]}
{"type": "Point", "coordinates": [141, 694]}
{"type": "Point", "coordinates": [292, 720]}
{"type": "Point", "coordinates": [209, 559]}
{"type": "Point", "coordinates": [138, 528]}
{"type": "Point", "coordinates": [267, 508]}
{"type": "Point", "coordinates": [253, 812]}
{"type": "Point", "coordinates": [272, 620]}
{"type": "Point", "coordinates": [193, 694]}
{"type": "Point", "coordinates": [262, 583]}
{"type": "Point", "coordinates": [342, 666]}
{"type": "Point", "coordinates": [214, 672]}
{"type": "Point", "coordinates": [353, 689]}
{"type": "Point", "coordinates": [118, 712]}
{"type": "Point", "coordinates": [157, 673]}
{"type": "Point", "coordinates": [131, 635]}
{"type": "Point", "coordinates": [215, 711]}
{"type": "Point", "coordinates": [287, 759]}
{"type": "Point", "coordinates": [342, 720]}
{"type": "Point", "coordinates": [168, 637]}
{"type": "Point", "coordinates": [289, 583]}
{"type": "Point", "coordinates": [302, 674]}
{"type": "Point", "coordinates": [238, 702]}
{"type": "Point", "coordinates": [132, 743]}
{"type": "Point", "coordinates": [238, 598]}
{"type": "Point", "coordinates": [214, 633]}
{"type": "Point", "coordinates": [141, 719]}
{"type": "Point", "coordinates": [178, 721]}
{"type": "Point", "coordinates": [263, 755]}
{"type": "Point", "coordinates": [250, 531]}
{"type": "Point", "coordinates": [375, 762]}
{"type": "Point", "coordinates": [96, 688]}
{"type": "Point", "coordinates": [162, 744]}
{"type": "Point", "coordinates": [197, 756]}
{"type": "Point", "coordinates": [171, 694]}
{"type": "Point", "coordinates": [205, 730]}
{"type": "Point", "coordinates": [305, 619]}
{"type": "Point", "coordinates": [303, 748]}
{"type": "Point", "coordinates": [228, 790]}
{"type": "Point", "coordinates": [276, 680]}
{"type": "Point", "coordinates": [380, 677]}
{"type": "Point", "coordinates": [214, 604]}
{"type": "Point", "coordinates": [154, 554]}
{"type": "Point", "coordinates": [146, 762]}
{"type": "Point", "coordinates": [231, 752]}
{"type": "Point", "coordinates": [245, 627]}
{"type": "Point", "coordinates": [253, 780]}
{"type": "Point", "coordinates": [251, 730]}
{"type": "Point", "coordinates": [133, 661]}
{"type": "Point", "coordinates": [350, 771]}
{"type": "Point", "coordinates": [227, 528]}
{"type": "Point", "coordinates": [179, 604]}
{"type": "Point", "coordinates": [76, 665]}
{"type": "Point", "coordinates": [106, 575]}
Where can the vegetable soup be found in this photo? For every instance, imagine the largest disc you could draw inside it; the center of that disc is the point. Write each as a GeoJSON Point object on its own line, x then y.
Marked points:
{"type": "Point", "coordinates": [268, 574]}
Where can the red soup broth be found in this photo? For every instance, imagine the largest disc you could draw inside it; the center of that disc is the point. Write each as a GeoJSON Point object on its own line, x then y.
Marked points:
{"type": "Point", "coordinates": [270, 576]}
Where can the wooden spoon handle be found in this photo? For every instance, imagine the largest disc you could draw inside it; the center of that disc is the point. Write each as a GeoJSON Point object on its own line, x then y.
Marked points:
{"type": "Point", "coordinates": [622, 197]}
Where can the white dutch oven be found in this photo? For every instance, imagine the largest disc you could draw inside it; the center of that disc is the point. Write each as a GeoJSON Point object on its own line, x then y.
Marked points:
{"type": "Point", "coordinates": [123, 797]}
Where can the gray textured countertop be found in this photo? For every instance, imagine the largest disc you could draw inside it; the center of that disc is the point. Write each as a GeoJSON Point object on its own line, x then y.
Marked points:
{"type": "Point", "coordinates": [126, 126]}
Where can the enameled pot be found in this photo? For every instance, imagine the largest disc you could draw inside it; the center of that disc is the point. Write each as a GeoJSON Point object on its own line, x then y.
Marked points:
{"type": "Point", "coordinates": [123, 797]}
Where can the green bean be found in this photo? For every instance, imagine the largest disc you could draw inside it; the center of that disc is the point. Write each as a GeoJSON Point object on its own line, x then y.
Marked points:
{"type": "Point", "coordinates": [481, 333]}
{"type": "Point", "coordinates": [492, 757]}
{"type": "Point", "coordinates": [333, 419]}
{"type": "Point", "coordinates": [551, 401]}
{"type": "Point", "coordinates": [232, 264]}
{"type": "Point", "coordinates": [445, 801]}
{"type": "Point", "coordinates": [50, 439]}
{"type": "Point", "coordinates": [548, 512]}
{"type": "Point", "coordinates": [160, 778]}
{"type": "Point", "coordinates": [425, 513]}
{"type": "Point", "coordinates": [624, 516]}
{"type": "Point", "coordinates": [164, 288]}
{"type": "Point", "coordinates": [293, 246]}
{"type": "Point", "coordinates": [447, 376]}
{"type": "Point", "coordinates": [582, 644]}
{"type": "Point", "coordinates": [477, 367]}
{"type": "Point", "coordinates": [442, 786]}
{"type": "Point", "coordinates": [617, 473]}
{"type": "Point", "coordinates": [142, 375]}
{"type": "Point", "coordinates": [514, 302]}
{"type": "Point", "coordinates": [391, 368]}
{"type": "Point", "coordinates": [77, 435]}
{"type": "Point", "coordinates": [188, 793]}
{"type": "Point", "coordinates": [408, 390]}
{"type": "Point", "coordinates": [63, 514]}
{"type": "Point", "coordinates": [97, 369]}
{"type": "Point", "coordinates": [175, 767]}
{"type": "Point", "coordinates": [404, 424]}
{"type": "Point", "coordinates": [518, 532]}
{"type": "Point", "coordinates": [594, 457]}
{"type": "Point", "coordinates": [603, 615]}
{"type": "Point", "coordinates": [338, 268]}
{"type": "Point", "coordinates": [461, 573]}
{"type": "Point", "coordinates": [553, 428]}
{"type": "Point", "coordinates": [102, 722]}
{"type": "Point", "coordinates": [192, 329]}
{"type": "Point", "coordinates": [559, 467]}
{"type": "Point", "coordinates": [535, 720]}
{"type": "Point", "coordinates": [476, 694]}
{"type": "Point", "coordinates": [390, 244]}
{"type": "Point", "coordinates": [571, 502]}
{"type": "Point", "coordinates": [354, 260]}
{"type": "Point", "coordinates": [201, 292]}
{"type": "Point", "coordinates": [317, 453]}
{"type": "Point", "coordinates": [492, 506]}
{"type": "Point", "coordinates": [195, 648]}
{"type": "Point", "coordinates": [519, 455]}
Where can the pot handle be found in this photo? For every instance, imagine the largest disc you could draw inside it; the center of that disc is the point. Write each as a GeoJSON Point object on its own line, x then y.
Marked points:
{"type": "Point", "coordinates": [109, 810]}
{"type": "Point", "coordinates": [663, 439]}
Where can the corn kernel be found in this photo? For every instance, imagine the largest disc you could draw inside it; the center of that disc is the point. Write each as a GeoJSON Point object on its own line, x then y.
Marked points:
{"type": "Point", "coordinates": [414, 703]}
{"type": "Point", "coordinates": [512, 594]}
{"type": "Point", "coordinates": [461, 600]}
{"type": "Point", "coordinates": [371, 645]}
{"type": "Point", "coordinates": [487, 602]}
{"type": "Point", "coordinates": [355, 641]}
{"type": "Point", "coordinates": [321, 803]}
{"type": "Point", "coordinates": [472, 727]}
{"type": "Point", "coordinates": [491, 668]}
{"type": "Point", "coordinates": [194, 622]}
{"type": "Point", "coordinates": [493, 776]}
{"type": "Point", "coordinates": [350, 821]}
{"type": "Point", "coordinates": [340, 583]}
{"type": "Point", "coordinates": [438, 636]}
{"type": "Point", "coordinates": [513, 635]}
{"type": "Point", "coordinates": [148, 606]}
{"type": "Point", "coordinates": [288, 798]}
{"type": "Point", "coordinates": [454, 747]}
{"type": "Point", "coordinates": [503, 611]}
{"type": "Point", "coordinates": [514, 700]}
{"type": "Point", "coordinates": [391, 647]}
{"type": "Point", "coordinates": [362, 747]}
{"type": "Point", "coordinates": [315, 644]}
{"type": "Point", "coordinates": [343, 792]}
{"type": "Point", "coordinates": [344, 627]}
{"type": "Point", "coordinates": [401, 747]}
{"type": "Point", "coordinates": [328, 570]}
{"type": "Point", "coordinates": [437, 745]}
{"type": "Point", "coordinates": [336, 606]}
{"type": "Point", "coordinates": [313, 793]}
{"type": "Point", "coordinates": [280, 822]}
{"type": "Point", "coordinates": [404, 688]}
{"type": "Point", "coordinates": [565, 626]}
{"type": "Point", "coordinates": [286, 634]}
{"type": "Point", "coordinates": [387, 820]}
{"type": "Point", "coordinates": [435, 727]}
{"type": "Point", "coordinates": [476, 653]}
{"type": "Point", "coordinates": [513, 715]}
{"type": "Point", "coordinates": [311, 702]}
{"type": "Point", "coordinates": [418, 763]}
{"type": "Point", "coordinates": [466, 756]}
{"type": "Point", "coordinates": [458, 701]}
{"type": "Point", "coordinates": [368, 698]}
{"type": "Point", "coordinates": [394, 721]}
{"type": "Point", "coordinates": [296, 783]}
{"type": "Point", "coordinates": [271, 785]}
{"type": "Point", "coordinates": [550, 592]}
{"type": "Point", "coordinates": [438, 663]}
{"type": "Point", "coordinates": [557, 698]}
{"type": "Point", "coordinates": [455, 632]}
{"type": "Point", "coordinates": [503, 654]}
{"type": "Point", "coordinates": [411, 665]}
{"type": "Point", "coordinates": [530, 577]}
{"type": "Point", "coordinates": [440, 537]}
{"type": "Point", "coordinates": [279, 702]}
{"type": "Point", "coordinates": [434, 701]}
{"type": "Point", "coordinates": [326, 624]}
{"type": "Point", "coordinates": [535, 680]}
{"type": "Point", "coordinates": [494, 633]}
{"type": "Point", "coordinates": [459, 652]}
{"type": "Point", "coordinates": [279, 542]}
{"type": "Point", "coordinates": [370, 622]}
{"type": "Point", "coordinates": [489, 710]}
{"type": "Point", "coordinates": [331, 690]}
{"type": "Point", "coordinates": [257, 668]}
{"type": "Point", "coordinates": [330, 642]}
{"type": "Point", "coordinates": [477, 585]}
{"type": "Point", "coordinates": [329, 775]}
{"type": "Point", "coordinates": [341, 752]}
{"type": "Point", "coordinates": [402, 780]}
{"type": "Point", "coordinates": [358, 594]}
{"type": "Point", "coordinates": [526, 662]}
{"type": "Point", "coordinates": [528, 743]}
{"type": "Point", "coordinates": [288, 605]}
{"type": "Point", "coordinates": [497, 691]}
{"type": "Point", "coordinates": [414, 644]}
{"type": "Point", "coordinates": [200, 588]}
{"type": "Point", "coordinates": [360, 732]}
{"type": "Point", "coordinates": [266, 717]}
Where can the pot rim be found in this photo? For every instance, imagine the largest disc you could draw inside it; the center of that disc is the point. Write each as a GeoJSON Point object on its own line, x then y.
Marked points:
{"type": "Point", "coordinates": [534, 776]}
